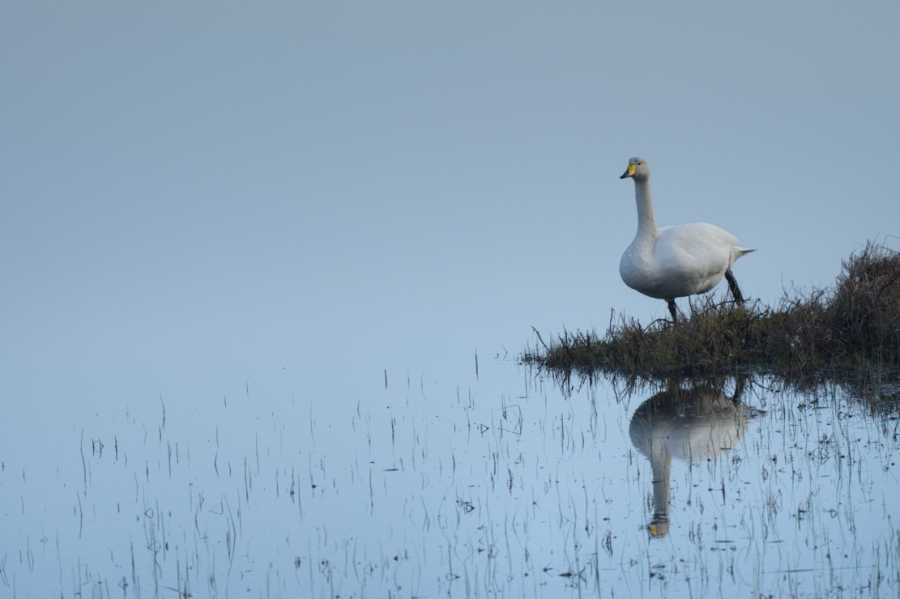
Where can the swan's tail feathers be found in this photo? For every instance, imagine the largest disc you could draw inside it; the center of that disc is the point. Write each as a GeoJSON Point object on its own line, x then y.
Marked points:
{"type": "Point", "coordinates": [743, 251]}
{"type": "Point", "coordinates": [733, 285]}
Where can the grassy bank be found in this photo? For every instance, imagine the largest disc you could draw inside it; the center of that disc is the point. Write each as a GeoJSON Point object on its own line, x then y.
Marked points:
{"type": "Point", "coordinates": [852, 327]}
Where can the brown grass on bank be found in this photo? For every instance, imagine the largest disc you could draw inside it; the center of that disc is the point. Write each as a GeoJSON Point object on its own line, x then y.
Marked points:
{"type": "Point", "coordinates": [854, 326]}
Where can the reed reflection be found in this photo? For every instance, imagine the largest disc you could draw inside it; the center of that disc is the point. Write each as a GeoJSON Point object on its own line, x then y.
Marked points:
{"type": "Point", "coordinates": [693, 424]}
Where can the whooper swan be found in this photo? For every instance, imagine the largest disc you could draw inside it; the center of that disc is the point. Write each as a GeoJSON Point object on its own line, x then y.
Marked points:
{"type": "Point", "coordinates": [675, 261]}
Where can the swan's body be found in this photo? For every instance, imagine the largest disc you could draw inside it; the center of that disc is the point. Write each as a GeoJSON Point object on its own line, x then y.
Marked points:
{"type": "Point", "coordinates": [694, 425]}
{"type": "Point", "coordinates": [675, 261]}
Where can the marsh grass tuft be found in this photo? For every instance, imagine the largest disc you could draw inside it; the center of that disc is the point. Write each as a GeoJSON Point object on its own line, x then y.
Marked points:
{"type": "Point", "coordinates": [851, 328]}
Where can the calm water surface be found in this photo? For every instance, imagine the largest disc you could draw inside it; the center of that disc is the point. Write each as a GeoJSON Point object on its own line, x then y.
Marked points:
{"type": "Point", "coordinates": [495, 484]}
{"type": "Point", "coordinates": [246, 256]}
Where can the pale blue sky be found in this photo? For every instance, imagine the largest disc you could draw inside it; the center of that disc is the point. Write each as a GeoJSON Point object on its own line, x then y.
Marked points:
{"type": "Point", "coordinates": [203, 191]}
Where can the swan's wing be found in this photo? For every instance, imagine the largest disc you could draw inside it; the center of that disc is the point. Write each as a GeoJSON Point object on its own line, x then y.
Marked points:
{"type": "Point", "coordinates": [697, 242]}
{"type": "Point", "coordinates": [696, 255]}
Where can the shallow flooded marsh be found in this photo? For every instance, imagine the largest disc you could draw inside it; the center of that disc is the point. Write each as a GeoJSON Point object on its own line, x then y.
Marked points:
{"type": "Point", "coordinates": [435, 490]}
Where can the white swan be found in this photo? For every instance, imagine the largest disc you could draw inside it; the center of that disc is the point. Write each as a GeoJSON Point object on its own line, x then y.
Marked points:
{"type": "Point", "coordinates": [696, 424]}
{"type": "Point", "coordinates": [675, 261]}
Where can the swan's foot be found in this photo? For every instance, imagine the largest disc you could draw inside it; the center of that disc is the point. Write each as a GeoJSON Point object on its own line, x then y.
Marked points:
{"type": "Point", "coordinates": [735, 290]}
{"type": "Point", "coordinates": [673, 310]}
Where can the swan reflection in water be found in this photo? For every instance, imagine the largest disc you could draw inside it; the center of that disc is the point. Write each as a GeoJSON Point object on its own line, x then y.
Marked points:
{"type": "Point", "coordinates": [695, 424]}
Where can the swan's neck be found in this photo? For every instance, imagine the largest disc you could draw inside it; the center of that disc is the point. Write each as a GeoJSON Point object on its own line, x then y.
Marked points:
{"type": "Point", "coordinates": [661, 466]}
{"type": "Point", "coordinates": [647, 229]}
{"type": "Point", "coordinates": [662, 471]}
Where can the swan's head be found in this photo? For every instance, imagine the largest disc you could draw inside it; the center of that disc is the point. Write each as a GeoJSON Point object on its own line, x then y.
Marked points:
{"type": "Point", "coordinates": [637, 170]}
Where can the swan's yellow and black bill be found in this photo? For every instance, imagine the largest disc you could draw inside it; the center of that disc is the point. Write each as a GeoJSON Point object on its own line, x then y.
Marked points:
{"type": "Point", "coordinates": [629, 172]}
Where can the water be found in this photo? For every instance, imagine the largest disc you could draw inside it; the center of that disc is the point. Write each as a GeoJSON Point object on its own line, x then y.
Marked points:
{"type": "Point", "coordinates": [504, 485]}
{"type": "Point", "coordinates": [248, 256]}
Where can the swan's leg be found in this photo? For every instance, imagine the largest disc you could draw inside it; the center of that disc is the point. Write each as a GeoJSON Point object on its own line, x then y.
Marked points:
{"type": "Point", "coordinates": [673, 310]}
{"type": "Point", "coordinates": [732, 284]}
{"type": "Point", "coordinates": [738, 387]}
